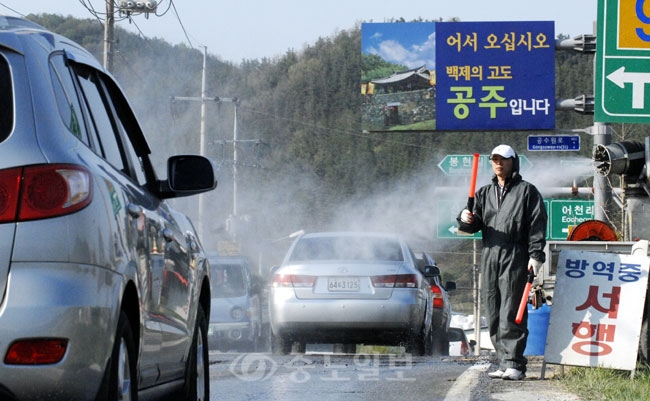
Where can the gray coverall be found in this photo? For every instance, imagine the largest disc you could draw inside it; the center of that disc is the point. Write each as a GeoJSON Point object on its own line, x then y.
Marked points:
{"type": "Point", "coordinates": [513, 229]}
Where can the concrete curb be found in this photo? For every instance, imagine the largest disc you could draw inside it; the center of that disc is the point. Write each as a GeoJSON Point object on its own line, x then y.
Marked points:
{"type": "Point", "coordinates": [466, 383]}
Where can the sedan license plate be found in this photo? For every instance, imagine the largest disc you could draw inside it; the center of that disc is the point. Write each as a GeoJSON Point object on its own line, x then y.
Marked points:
{"type": "Point", "coordinates": [346, 284]}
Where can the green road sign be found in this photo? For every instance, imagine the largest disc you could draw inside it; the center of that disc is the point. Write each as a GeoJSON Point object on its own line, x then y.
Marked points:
{"type": "Point", "coordinates": [566, 213]}
{"type": "Point", "coordinates": [562, 215]}
{"type": "Point", "coordinates": [461, 165]}
{"type": "Point", "coordinates": [447, 227]}
{"type": "Point", "coordinates": [622, 62]}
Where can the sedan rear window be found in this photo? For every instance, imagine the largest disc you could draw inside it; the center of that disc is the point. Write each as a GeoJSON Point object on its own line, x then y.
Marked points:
{"type": "Point", "coordinates": [6, 100]}
{"type": "Point", "coordinates": [347, 248]}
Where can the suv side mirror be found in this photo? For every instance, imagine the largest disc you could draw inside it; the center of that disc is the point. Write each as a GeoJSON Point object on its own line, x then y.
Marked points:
{"type": "Point", "coordinates": [188, 175]}
{"type": "Point", "coordinates": [450, 285]}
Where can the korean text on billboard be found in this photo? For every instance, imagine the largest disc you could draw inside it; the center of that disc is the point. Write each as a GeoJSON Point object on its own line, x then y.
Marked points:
{"type": "Point", "coordinates": [495, 75]}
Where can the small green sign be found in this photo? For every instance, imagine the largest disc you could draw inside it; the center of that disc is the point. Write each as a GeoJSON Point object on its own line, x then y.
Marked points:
{"type": "Point", "coordinates": [567, 213]}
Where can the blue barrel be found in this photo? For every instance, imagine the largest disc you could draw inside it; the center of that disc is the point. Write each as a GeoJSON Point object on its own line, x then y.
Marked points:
{"type": "Point", "coordinates": [537, 328]}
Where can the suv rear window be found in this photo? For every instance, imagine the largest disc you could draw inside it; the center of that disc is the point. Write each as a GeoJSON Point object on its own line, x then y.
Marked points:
{"type": "Point", "coordinates": [6, 100]}
{"type": "Point", "coordinates": [228, 281]}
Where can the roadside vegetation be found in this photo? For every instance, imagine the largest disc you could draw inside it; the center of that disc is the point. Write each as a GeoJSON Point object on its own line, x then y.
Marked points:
{"type": "Point", "coordinates": [598, 384]}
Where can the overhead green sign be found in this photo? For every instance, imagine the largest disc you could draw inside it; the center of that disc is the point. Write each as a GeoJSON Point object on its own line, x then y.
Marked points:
{"type": "Point", "coordinates": [461, 165]}
{"type": "Point", "coordinates": [622, 62]}
{"type": "Point", "coordinates": [563, 214]}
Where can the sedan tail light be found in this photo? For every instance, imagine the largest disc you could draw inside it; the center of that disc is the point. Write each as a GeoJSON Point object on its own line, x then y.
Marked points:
{"type": "Point", "coordinates": [293, 280]}
{"type": "Point", "coordinates": [464, 348]}
{"type": "Point", "coordinates": [395, 281]}
{"type": "Point", "coordinates": [43, 191]}
{"type": "Point", "coordinates": [438, 300]}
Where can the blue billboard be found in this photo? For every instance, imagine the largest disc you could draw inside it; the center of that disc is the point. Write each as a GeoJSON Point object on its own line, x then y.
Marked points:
{"type": "Point", "coordinates": [495, 75]}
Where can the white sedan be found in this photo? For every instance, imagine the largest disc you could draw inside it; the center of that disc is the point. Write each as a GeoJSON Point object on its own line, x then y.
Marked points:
{"type": "Point", "coordinates": [350, 288]}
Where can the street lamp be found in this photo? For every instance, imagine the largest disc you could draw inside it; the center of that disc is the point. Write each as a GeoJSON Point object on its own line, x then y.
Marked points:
{"type": "Point", "coordinates": [290, 236]}
{"type": "Point", "coordinates": [269, 242]}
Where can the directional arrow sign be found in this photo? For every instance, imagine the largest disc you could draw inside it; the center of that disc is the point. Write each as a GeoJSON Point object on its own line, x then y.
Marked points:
{"type": "Point", "coordinates": [638, 81]}
{"type": "Point", "coordinates": [566, 213]}
{"type": "Point", "coordinates": [447, 227]}
{"type": "Point", "coordinates": [461, 165]}
{"type": "Point", "coordinates": [562, 214]}
{"type": "Point", "coordinates": [622, 62]}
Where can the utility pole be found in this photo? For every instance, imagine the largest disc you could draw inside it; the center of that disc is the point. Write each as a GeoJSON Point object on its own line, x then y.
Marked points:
{"type": "Point", "coordinates": [109, 35]}
{"type": "Point", "coordinates": [204, 99]}
{"type": "Point", "coordinates": [125, 8]}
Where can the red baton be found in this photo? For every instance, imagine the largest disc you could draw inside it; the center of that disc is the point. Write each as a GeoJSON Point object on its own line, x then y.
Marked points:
{"type": "Point", "coordinates": [472, 183]}
{"type": "Point", "coordinates": [524, 297]}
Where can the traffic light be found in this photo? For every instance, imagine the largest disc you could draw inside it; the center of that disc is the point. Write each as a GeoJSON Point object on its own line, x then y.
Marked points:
{"type": "Point", "coordinates": [630, 159]}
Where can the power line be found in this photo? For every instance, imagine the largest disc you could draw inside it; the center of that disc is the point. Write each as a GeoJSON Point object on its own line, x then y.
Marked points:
{"type": "Point", "coordinates": [164, 12]}
{"type": "Point", "coordinates": [338, 131]}
{"type": "Point", "coordinates": [181, 22]}
{"type": "Point", "coordinates": [12, 10]}
{"type": "Point", "coordinates": [91, 9]}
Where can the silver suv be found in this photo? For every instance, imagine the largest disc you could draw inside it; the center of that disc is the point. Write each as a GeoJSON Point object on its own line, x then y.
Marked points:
{"type": "Point", "coordinates": [104, 288]}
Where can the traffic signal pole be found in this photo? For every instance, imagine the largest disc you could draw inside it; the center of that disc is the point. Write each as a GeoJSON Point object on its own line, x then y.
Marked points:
{"type": "Point", "coordinates": [602, 133]}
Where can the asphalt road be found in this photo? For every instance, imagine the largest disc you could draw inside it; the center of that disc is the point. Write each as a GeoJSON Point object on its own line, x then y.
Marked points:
{"type": "Point", "coordinates": [327, 376]}
{"type": "Point", "coordinates": [333, 377]}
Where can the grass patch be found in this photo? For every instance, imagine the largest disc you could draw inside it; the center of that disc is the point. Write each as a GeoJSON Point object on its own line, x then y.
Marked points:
{"type": "Point", "coordinates": [379, 349]}
{"type": "Point", "coordinates": [429, 125]}
{"type": "Point", "coordinates": [598, 384]}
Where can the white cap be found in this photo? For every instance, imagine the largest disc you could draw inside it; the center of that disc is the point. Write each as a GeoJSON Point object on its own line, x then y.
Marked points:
{"type": "Point", "coordinates": [504, 151]}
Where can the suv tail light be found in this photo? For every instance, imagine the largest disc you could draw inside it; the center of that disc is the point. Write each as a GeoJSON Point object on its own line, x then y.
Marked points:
{"type": "Point", "coordinates": [43, 191]}
{"type": "Point", "coordinates": [438, 300]}
{"type": "Point", "coordinates": [395, 281]}
{"type": "Point", "coordinates": [36, 352]}
{"type": "Point", "coordinates": [293, 280]}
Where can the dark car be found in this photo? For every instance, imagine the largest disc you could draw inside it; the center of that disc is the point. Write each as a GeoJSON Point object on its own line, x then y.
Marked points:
{"type": "Point", "coordinates": [104, 287]}
{"type": "Point", "coordinates": [236, 316]}
{"type": "Point", "coordinates": [441, 316]}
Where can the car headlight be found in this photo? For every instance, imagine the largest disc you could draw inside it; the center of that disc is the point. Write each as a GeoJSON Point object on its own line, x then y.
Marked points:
{"type": "Point", "coordinates": [237, 313]}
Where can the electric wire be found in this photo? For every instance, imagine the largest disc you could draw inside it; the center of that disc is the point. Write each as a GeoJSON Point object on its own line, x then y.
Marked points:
{"type": "Point", "coordinates": [164, 12]}
{"type": "Point", "coordinates": [12, 10]}
{"type": "Point", "coordinates": [181, 23]}
{"type": "Point", "coordinates": [336, 130]}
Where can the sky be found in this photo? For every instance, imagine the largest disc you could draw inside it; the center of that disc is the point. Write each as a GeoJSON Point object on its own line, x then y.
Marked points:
{"type": "Point", "coordinates": [239, 30]}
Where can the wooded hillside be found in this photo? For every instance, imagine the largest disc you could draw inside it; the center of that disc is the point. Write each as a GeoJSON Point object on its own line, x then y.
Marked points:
{"type": "Point", "coordinates": [303, 161]}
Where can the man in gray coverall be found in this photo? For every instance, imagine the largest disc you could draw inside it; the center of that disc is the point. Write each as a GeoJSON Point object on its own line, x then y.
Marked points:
{"type": "Point", "coordinates": [511, 215]}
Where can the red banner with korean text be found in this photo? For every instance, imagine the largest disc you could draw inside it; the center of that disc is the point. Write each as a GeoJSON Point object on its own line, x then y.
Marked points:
{"type": "Point", "coordinates": [597, 309]}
